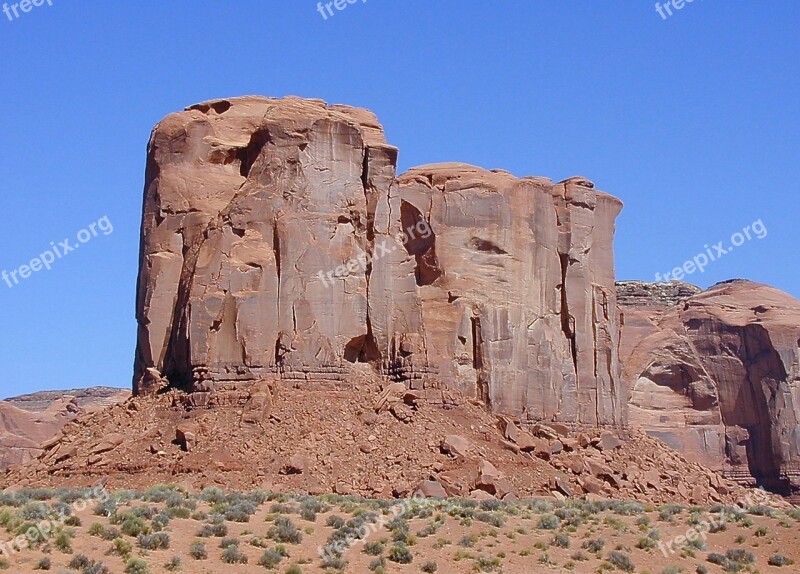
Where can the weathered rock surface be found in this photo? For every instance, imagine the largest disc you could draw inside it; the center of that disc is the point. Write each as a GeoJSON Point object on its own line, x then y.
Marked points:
{"type": "Point", "coordinates": [516, 289]}
{"type": "Point", "coordinates": [27, 422]}
{"type": "Point", "coordinates": [276, 240]}
{"type": "Point", "coordinates": [716, 375]}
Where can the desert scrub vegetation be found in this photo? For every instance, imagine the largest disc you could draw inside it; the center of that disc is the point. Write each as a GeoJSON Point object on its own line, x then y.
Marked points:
{"type": "Point", "coordinates": [283, 530]}
{"type": "Point", "coordinates": [175, 564]}
{"type": "Point", "coordinates": [234, 555]}
{"type": "Point", "coordinates": [198, 550]}
{"type": "Point", "coordinates": [548, 522]}
{"type": "Point", "coordinates": [401, 553]}
{"type": "Point", "coordinates": [621, 561]}
{"type": "Point", "coordinates": [572, 535]}
{"type": "Point", "coordinates": [779, 560]}
{"type": "Point", "coordinates": [157, 541]}
{"type": "Point", "coordinates": [214, 528]}
{"type": "Point", "coordinates": [734, 560]}
{"type": "Point", "coordinates": [271, 558]}
{"type": "Point", "coordinates": [136, 566]}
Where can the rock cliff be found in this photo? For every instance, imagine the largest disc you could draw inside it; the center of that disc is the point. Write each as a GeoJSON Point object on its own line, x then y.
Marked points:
{"type": "Point", "coordinates": [716, 375]}
{"type": "Point", "coordinates": [277, 240]}
{"type": "Point", "coordinates": [28, 421]}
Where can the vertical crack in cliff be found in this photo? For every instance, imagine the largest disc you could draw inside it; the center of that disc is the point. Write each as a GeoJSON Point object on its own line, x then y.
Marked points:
{"type": "Point", "coordinates": [597, 390]}
{"type": "Point", "coordinates": [566, 318]}
{"type": "Point", "coordinates": [478, 362]}
{"type": "Point", "coordinates": [177, 352]}
{"type": "Point", "coordinates": [364, 349]}
{"type": "Point", "coordinates": [276, 250]}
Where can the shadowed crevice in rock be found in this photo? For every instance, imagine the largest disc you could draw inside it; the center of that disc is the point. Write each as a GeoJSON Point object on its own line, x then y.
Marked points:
{"type": "Point", "coordinates": [362, 350]}
{"type": "Point", "coordinates": [421, 244]}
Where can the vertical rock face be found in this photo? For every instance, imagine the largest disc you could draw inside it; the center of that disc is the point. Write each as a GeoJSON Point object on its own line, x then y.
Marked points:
{"type": "Point", "coordinates": [276, 241]}
{"type": "Point", "coordinates": [246, 201]}
{"type": "Point", "coordinates": [716, 374]}
{"type": "Point", "coordinates": [517, 290]}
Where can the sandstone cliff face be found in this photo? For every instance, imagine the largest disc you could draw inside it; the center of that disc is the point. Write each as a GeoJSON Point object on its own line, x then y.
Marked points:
{"type": "Point", "coordinates": [517, 290]}
{"type": "Point", "coordinates": [276, 240]}
{"type": "Point", "coordinates": [716, 374]}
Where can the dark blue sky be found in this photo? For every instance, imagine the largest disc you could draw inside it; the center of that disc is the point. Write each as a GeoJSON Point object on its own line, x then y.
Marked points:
{"type": "Point", "coordinates": [692, 121]}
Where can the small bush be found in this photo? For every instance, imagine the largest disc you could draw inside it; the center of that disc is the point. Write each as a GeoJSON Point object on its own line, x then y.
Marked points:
{"type": "Point", "coordinates": [621, 561]}
{"type": "Point", "coordinates": [429, 567]}
{"type": "Point", "coordinates": [561, 540]}
{"type": "Point", "coordinates": [270, 559]}
{"type": "Point", "coordinates": [215, 530]}
{"type": "Point", "coordinates": [646, 543]}
{"type": "Point", "coordinates": [579, 556]}
{"type": "Point", "coordinates": [594, 545]}
{"type": "Point", "coordinates": [198, 551]}
{"type": "Point", "coordinates": [285, 531]}
{"type": "Point", "coordinates": [174, 565]}
{"type": "Point", "coordinates": [740, 556]}
{"type": "Point", "coordinates": [779, 561]}
{"type": "Point", "coordinates": [334, 521]}
{"type": "Point", "coordinates": [122, 547]}
{"type": "Point", "coordinates": [157, 541]}
{"type": "Point", "coordinates": [63, 542]}
{"type": "Point", "coordinates": [100, 568]}
{"type": "Point", "coordinates": [484, 564]}
{"type": "Point", "coordinates": [134, 526]}
{"type": "Point", "coordinates": [136, 566]}
{"type": "Point", "coordinates": [401, 554]}
{"type": "Point", "coordinates": [233, 555]}
{"type": "Point", "coordinates": [35, 511]}
{"type": "Point", "coordinates": [548, 522]}
{"type": "Point", "coordinates": [43, 564]}
{"type": "Point", "coordinates": [229, 542]}
{"type": "Point", "coordinates": [374, 548]}
{"type": "Point", "coordinates": [79, 562]}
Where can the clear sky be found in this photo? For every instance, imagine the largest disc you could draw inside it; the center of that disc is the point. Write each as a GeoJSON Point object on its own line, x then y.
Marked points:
{"type": "Point", "coordinates": [692, 120]}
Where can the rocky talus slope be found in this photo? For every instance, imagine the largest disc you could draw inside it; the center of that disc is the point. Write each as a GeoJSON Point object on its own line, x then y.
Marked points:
{"type": "Point", "coordinates": [361, 436]}
{"type": "Point", "coordinates": [716, 375]}
{"type": "Point", "coordinates": [30, 420]}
